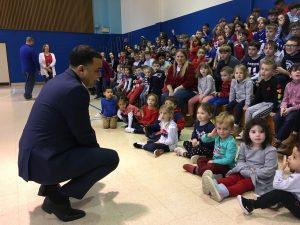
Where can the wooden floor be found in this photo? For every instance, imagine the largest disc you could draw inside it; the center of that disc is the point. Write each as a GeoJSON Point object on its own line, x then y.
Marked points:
{"type": "Point", "coordinates": [142, 190]}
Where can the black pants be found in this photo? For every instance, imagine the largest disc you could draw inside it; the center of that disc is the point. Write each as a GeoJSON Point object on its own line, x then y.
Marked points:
{"type": "Point", "coordinates": [151, 146]}
{"type": "Point", "coordinates": [287, 199]}
{"type": "Point", "coordinates": [82, 166]}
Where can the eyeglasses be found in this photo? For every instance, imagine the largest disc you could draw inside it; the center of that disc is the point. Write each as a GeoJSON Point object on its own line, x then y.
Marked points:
{"type": "Point", "coordinates": [290, 46]}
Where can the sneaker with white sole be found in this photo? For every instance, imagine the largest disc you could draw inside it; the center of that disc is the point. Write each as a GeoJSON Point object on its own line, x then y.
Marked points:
{"type": "Point", "coordinates": [205, 186]}
{"type": "Point", "coordinates": [246, 204]}
{"type": "Point", "coordinates": [181, 151]}
{"type": "Point", "coordinates": [129, 130]}
{"type": "Point", "coordinates": [218, 191]}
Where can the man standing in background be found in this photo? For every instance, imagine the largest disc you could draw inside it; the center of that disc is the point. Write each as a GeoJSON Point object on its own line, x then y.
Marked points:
{"type": "Point", "coordinates": [29, 65]}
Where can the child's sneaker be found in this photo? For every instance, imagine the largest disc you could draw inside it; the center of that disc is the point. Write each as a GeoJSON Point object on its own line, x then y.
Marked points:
{"type": "Point", "coordinates": [180, 151]}
{"type": "Point", "coordinates": [129, 130]}
{"type": "Point", "coordinates": [205, 185]}
{"type": "Point", "coordinates": [158, 152]}
{"type": "Point", "coordinates": [218, 191]}
{"type": "Point", "coordinates": [137, 145]}
{"type": "Point", "coordinates": [246, 204]}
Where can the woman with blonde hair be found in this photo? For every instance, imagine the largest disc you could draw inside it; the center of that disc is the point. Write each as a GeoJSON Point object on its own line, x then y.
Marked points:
{"type": "Point", "coordinates": [181, 80]}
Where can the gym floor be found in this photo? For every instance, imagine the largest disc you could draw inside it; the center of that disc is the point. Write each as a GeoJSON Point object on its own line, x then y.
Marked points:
{"type": "Point", "coordinates": [142, 190]}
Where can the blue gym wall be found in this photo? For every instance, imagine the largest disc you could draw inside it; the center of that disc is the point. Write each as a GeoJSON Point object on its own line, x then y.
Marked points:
{"type": "Point", "coordinates": [61, 43]}
{"type": "Point", "coordinates": [191, 22]}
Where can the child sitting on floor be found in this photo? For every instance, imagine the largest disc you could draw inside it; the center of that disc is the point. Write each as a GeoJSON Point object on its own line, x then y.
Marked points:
{"type": "Point", "coordinates": [255, 168]}
{"type": "Point", "coordinates": [224, 150]}
{"type": "Point", "coordinates": [287, 191]}
{"type": "Point", "coordinates": [203, 125]}
{"type": "Point", "coordinates": [168, 139]}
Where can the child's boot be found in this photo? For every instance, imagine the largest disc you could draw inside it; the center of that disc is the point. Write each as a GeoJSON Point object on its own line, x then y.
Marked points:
{"type": "Point", "coordinates": [105, 122]}
{"type": "Point", "coordinates": [113, 122]}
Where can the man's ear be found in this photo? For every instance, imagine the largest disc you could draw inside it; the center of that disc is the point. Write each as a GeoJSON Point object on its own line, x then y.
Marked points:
{"type": "Point", "coordinates": [79, 68]}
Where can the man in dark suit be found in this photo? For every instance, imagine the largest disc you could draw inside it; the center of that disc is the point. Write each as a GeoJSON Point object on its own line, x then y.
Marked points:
{"type": "Point", "coordinates": [58, 143]}
{"type": "Point", "coordinates": [30, 66]}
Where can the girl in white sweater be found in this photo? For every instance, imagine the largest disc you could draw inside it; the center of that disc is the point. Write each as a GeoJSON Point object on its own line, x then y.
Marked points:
{"type": "Point", "coordinates": [287, 191]}
{"type": "Point", "coordinates": [169, 136]}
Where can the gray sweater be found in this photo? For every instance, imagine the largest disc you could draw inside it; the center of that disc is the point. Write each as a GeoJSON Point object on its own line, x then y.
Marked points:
{"type": "Point", "coordinates": [260, 165]}
{"type": "Point", "coordinates": [206, 85]}
{"type": "Point", "coordinates": [241, 91]}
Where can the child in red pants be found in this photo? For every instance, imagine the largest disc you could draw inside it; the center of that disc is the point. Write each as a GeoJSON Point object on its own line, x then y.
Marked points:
{"type": "Point", "coordinates": [255, 168]}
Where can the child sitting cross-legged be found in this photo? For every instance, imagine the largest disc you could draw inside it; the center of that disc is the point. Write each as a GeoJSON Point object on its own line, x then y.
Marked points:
{"type": "Point", "coordinates": [287, 191]}
{"type": "Point", "coordinates": [224, 149]}
{"type": "Point", "coordinates": [202, 126]}
{"type": "Point", "coordinates": [168, 139]}
{"type": "Point", "coordinates": [152, 131]}
{"type": "Point", "coordinates": [255, 167]}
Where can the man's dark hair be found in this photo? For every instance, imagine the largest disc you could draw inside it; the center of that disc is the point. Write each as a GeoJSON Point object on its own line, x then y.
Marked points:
{"type": "Point", "coordinates": [83, 55]}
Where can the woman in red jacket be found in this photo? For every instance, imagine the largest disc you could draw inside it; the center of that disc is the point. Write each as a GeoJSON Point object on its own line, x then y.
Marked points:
{"type": "Point", "coordinates": [181, 80]}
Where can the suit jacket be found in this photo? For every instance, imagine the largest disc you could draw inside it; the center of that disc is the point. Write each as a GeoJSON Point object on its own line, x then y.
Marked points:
{"type": "Point", "coordinates": [58, 122]}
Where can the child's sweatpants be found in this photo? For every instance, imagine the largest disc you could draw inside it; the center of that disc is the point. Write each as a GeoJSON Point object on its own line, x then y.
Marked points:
{"type": "Point", "coordinates": [237, 184]}
{"type": "Point", "coordinates": [214, 167]}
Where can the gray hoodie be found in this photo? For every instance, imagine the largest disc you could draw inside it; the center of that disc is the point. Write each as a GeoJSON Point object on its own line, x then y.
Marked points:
{"type": "Point", "coordinates": [240, 91]}
{"type": "Point", "coordinates": [260, 165]}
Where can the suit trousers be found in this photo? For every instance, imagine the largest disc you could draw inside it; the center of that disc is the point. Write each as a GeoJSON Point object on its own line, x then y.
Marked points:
{"type": "Point", "coordinates": [82, 166]}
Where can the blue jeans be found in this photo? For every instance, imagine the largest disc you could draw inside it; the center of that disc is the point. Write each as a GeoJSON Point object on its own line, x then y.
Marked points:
{"type": "Point", "coordinates": [182, 97]}
{"type": "Point", "coordinates": [238, 110]}
{"type": "Point", "coordinates": [29, 84]}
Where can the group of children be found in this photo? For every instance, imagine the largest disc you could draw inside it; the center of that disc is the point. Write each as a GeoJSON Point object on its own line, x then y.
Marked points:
{"type": "Point", "coordinates": [244, 75]}
{"type": "Point", "coordinates": [213, 149]}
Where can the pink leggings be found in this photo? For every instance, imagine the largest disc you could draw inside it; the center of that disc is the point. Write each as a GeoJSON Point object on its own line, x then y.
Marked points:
{"type": "Point", "coordinates": [195, 100]}
{"type": "Point", "coordinates": [237, 184]}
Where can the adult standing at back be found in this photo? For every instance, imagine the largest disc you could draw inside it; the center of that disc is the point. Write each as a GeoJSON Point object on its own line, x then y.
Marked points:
{"type": "Point", "coordinates": [29, 65]}
{"type": "Point", "coordinates": [47, 62]}
{"type": "Point", "coordinates": [181, 79]}
{"type": "Point", "coordinates": [58, 143]}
